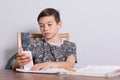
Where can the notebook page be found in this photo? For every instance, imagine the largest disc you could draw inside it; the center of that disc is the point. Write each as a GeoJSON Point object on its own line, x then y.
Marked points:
{"type": "Point", "coordinates": [99, 70]}
{"type": "Point", "coordinates": [50, 70]}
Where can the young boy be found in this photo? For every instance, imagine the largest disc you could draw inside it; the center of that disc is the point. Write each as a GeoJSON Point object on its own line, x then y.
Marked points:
{"type": "Point", "coordinates": [50, 52]}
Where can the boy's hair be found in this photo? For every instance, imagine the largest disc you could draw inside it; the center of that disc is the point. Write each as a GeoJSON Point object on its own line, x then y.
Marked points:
{"type": "Point", "coordinates": [50, 12]}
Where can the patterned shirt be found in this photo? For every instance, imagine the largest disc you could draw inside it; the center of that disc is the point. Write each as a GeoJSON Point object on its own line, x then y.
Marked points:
{"type": "Point", "coordinates": [43, 51]}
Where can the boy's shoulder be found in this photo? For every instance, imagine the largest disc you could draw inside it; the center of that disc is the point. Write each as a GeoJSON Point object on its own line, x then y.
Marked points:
{"type": "Point", "coordinates": [69, 43]}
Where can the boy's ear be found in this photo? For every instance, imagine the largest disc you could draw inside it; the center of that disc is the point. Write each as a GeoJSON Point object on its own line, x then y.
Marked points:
{"type": "Point", "coordinates": [60, 24]}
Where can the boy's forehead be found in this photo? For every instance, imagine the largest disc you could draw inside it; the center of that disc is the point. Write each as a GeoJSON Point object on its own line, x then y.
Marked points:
{"type": "Point", "coordinates": [46, 19]}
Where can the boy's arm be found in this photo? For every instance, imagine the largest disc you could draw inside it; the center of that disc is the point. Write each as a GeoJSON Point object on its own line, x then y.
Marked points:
{"type": "Point", "coordinates": [68, 64]}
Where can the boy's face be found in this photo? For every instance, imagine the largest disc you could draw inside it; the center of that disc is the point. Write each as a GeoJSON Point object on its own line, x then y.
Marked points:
{"type": "Point", "coordinates": [48, 27]}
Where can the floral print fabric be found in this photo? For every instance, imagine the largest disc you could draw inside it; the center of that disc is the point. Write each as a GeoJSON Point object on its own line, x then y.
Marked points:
{"type": "Point", "coordinates": [42, 51]}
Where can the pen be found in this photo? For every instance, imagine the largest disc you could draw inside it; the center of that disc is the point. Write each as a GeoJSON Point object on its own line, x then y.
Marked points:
{"type": "Point", "coordinates": [70, 69]}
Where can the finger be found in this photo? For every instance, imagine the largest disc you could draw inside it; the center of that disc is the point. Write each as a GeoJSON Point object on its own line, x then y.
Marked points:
{"type": "Point", "coordinates": [23, 62]}
{"type": "Point", "coordinates": [20, 55]}
{"type": "Point", "coordinates": [24, 58]}
{"type": "Point", "coordinates": [19, 43]}
{"type": "Point", "coordinates": [23, 55]}
{"type": "Point", "coordinates": [20, 49]}
{"type": "Point", "coordinates": [44, 68]}
{"type": "Point", "coordinates": [36, 67]}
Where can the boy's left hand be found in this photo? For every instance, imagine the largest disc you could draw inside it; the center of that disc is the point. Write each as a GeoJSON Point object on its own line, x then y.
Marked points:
{"type": "Point", "coordinates": [42, 66]}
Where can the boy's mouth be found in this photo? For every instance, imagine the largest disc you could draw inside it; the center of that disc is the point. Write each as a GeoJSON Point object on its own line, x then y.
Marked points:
{"type": "Point", "coordinates": [47, 34]}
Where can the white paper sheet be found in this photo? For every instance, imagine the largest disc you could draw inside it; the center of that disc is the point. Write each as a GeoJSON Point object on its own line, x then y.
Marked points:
{"type": "Point", "coordinates": [99, 70]}
{"type": "Point", "coordinates": [50, 70]}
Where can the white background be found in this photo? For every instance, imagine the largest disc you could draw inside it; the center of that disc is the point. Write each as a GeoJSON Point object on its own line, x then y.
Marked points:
{"type": "Point", "coordinates": [94, 25]}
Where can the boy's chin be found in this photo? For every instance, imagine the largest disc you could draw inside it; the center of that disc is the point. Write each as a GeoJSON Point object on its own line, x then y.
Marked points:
{"type": "Point", "coordinates": [48, 37]}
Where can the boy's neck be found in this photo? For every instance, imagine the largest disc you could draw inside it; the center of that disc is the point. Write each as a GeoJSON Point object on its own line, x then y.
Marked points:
{"type": "Point", "coordinates": [55, 40]}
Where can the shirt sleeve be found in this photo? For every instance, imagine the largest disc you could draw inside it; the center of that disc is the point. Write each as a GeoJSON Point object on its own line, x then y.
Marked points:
{"type": "Point", "coordinates": [71, 50]}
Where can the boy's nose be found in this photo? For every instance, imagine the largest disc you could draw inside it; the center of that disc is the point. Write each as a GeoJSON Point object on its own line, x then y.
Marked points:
{"type": "Point", "coordinates": [46, 28]}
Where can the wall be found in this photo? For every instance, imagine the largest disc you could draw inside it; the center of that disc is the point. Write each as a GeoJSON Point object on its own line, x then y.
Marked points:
{"type": "Point", "coordinates": [94, 25]}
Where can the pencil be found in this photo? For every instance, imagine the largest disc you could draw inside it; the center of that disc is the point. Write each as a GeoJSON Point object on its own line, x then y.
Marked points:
{"type": "Point", "coordinates": [70, 69]}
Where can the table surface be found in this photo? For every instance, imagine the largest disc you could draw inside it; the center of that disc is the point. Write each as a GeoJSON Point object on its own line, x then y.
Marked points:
{"type": "Point", "coordinates": [13, 75]}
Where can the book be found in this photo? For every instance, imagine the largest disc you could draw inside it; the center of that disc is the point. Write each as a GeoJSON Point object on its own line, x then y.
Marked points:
{"type": "Point", "coordinates": [98, 70]}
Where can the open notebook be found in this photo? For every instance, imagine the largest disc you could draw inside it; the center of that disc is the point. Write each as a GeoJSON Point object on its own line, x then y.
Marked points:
{"type": "Point", "coordinates": [99, 70]}
{"type": "Point", "coordinates": [50, 70]}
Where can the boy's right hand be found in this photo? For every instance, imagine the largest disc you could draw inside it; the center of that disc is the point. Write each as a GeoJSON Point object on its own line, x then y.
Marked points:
{"type": "Point", "coordinates": [23, 59]}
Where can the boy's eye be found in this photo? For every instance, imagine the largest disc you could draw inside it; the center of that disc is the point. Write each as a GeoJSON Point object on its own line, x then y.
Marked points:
{"type": "Point", "coordinates": [41, 26]}
{"type": "Point", "coordinates": [49, 24]}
